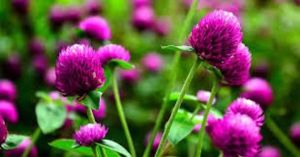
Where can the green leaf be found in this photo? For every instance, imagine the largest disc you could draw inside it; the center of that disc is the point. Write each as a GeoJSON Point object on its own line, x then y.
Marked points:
{"type": "Point", "coordinates": [108, 75]}
{"type": "Point", "coordinates": [43, 96]}
{"type": "Point", "coordinates": [109, 144]}
{"type": "Point", "coordinates": [92, 99]}
{"type": "Point", "coordinates": [12, 141]}
{"type": "Point", "coordinates": [121, 64]}
{"type": "Point", "coordinates": [68, 145]}
{"type": "Point", "coordinates": [182, 126]}
{"type": "Point", "coordinates": [50, 116]}
{"type": "Point", "coordinates": [188, 99]}
{"type": "Point", "coordinates": [174, 48]}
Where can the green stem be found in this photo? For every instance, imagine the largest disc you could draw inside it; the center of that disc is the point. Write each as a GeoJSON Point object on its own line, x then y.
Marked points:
{"type": "Point", "coordinates": [176, 107]}
{"type": "Point", "coordinates": [172, 78]}
{"type": "Point", "coordinates": [122, 115]}
{"type": "Point", "coordinates": [95, 151]}
{"type": "Point", "coordinates": [281, 136]}
{"type": "Point", "coordinates": [205, 117]}
{"type": "Point", "coordinates": [34, 138]}
{"type": "Point", "coordinates": [91, 115]}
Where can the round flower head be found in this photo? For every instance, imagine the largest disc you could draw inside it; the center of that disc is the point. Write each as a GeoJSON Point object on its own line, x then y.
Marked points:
{"type": "Point", "coordinates": [236, 69]}
{"type": "Point", "coordinates": [3, 131]}
{"type": "Point", "coordinates": [156, 141]}
{"type": "Point", "coordinates": [143, 18]}
{"type": "Point", "coordinates": [8, 111]}
{"type": "Point", "coordinates": [130, 76]}
{"type": "Point", "coordinates": [216, 37]}
{"type": "Point", "coordinates": [235, 134]}
{"type": "Point", "coordinates": [90, 134]}
{"type": "Point", "coordinates": [12, 67]}
{"type": "Point", "coordinates": [8, 90]}
{"type": "Point", "coordinates": [78, 71]}
{"type": "Point", "coordinates": [50, 77]}
{"type": "Point", "coordinates": [203, 96]}
{"type": "Point", "coordinates": [21, 6]}
{"type": "Point", "coordinates": [36, 47]}
{"type": "Point", "coordinates": [295, 133]}
{"type": "Point", "coordinates": [96, 27]}
{"type": "Point", "coordinates": [269, 151]}
{"type": "Point", "coordinates": [109, 52]}
{"type": "Point", "coordinates": [258, 90]}
{"type": "Point", "coordinates": [94, 7]}
{"type": "Point", "coordinates": [17, 152]}
{"type": "Point", "coordinates": [247, 107]}
{"type": "Point", "coordinates": [153, 62]}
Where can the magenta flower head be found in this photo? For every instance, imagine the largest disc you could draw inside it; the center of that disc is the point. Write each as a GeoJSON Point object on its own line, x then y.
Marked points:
{"type": "Point", "coordinates": [247, 107]}
{"type": "Point", "coordinates": [17, 152]}
{"type": "Point", "coordinates": [90, 134]}
{"type": "Point", "coordinates": [216, 37]}
{"type": "Point", "coordinates": [258, 90]}
{"type": "Point", "coordinates": [57, 16]}
{"type": "Point", "coordinates": [8, 111]}
{"type": "Point", "coordinates": [162, 27]}
{"type": "Point", "coordinates": [130, 76]}
{"type": "Point", "coordinates": [269, 151]}
{"type": "Point", "coordinates": [50, 77]}
{"type": "Point", "coordinates": [109, 52]}
{"type": "Point", "coordinates": [140, 3]}
{"type": "Point", "coordinates": [12, 67]}
{"type": "Point", "coordinates": [21, 6]}
{"type": "Point", "coordinates": [235, 134]}
{"type": "Point", "coordinates": [295, 133]}
{"type": "Point", "coordinates": [78, 70]}
{"type": "Point", "coordinates": [73, 14]}
{"type": "Point", "coordinates": [36, 47]}
{"type": "Point", "coordinates": [96, 27]}
{"type": "Point", "coordinates": [3, 131]}
{"type": "Point", "coordinates": [153, 62]}
{"type": "Point", "coordinates": [236, 69]}
{"type": "Point", "coordinates": [203, 96]}
{"type": "Point", "coordinates": [8, 90]}
{"type": "Point", "coordinates": [156, 141]}
{"type": "Point", "coordinates": [94, 7]}
{"type": "Point", "coordinates": [143, 18]}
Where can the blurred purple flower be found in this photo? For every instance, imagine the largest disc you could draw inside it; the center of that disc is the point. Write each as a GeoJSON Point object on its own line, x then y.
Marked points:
{"type": "Point", "coordinates": [57, 16]}
{"type": "Point", "coordinates": [269, 151]}
{"type": "Point", "coordinates": [36, 47]}
{"type": "Point", "coordinates": [94, 7]}
{"type": "Point", "coordinates": [156, 141]}
{"type": "Point", "coordinates": [8, 90]}
{"type": "Point", "coordinates": [295, 133]}
{"type": "Point", "coordinates": [203, 96]}
{"type": "Point", "coordinates": [140, 3]}
{"type": "Point", "coordinates": [50, 77]}
{"type": "Point", "coordinates": [90, 134]}
{"type": "Point", "coordinates": [40, 64]}
{"type": "Point", "coordinates": [78, 71]}
{"type": "Point", "coordinates": [162, 26]}
{"type": "Point", "coordinates": [153, 62]}
{"type": "Point", "coordinates": [96, 27]}
{"type": "Point", "coordinates": [9, 111]}
{"type": "Point", "coordinates": [21, 6]}
{"type": "Point", "coordinates": [261, 69]}
{"type": "Point", "coordinates": [73, 14]}
{"type": "Point", "coordinates": [12, 67]}
{"type": "Point", "coordinates": [258, 90]}
{"type": "Point", "coordinates": [143, 18]}
{"type": "Point", "coordinates": [112, 51]}
{"type": "Point", "coordinates": [3, 131]}
{"type": "Point", "coordinates": [130, 76]}
{"type": "Point", "coordinates": [17, 152]}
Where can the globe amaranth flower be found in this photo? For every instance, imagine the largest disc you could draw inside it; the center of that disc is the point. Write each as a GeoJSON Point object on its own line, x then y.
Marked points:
{"type": "Point", "coordinates": [36, 47]}
{"type": "Point", "coordinates": [93, 7]}
{"type": "Point", "coordinates": [130, 76]}
{"type": "Point", "coordinates": [236, 69]}
{"type": "Point", "coordinates": [40, 64]}
{"type": "Point", "coordinates": [153, 62]}
{"type": "Point", "coordinates": [73, 14]}
{"type": "Point", "coordinates": [143, 18]}
{"type": "Point", "coordinates": [78, 71]}
{"type": "Point", "coordinates": [17, 152]}
{"type": "Point", "coordinates": [8, 111]}
{"type": "Point", "coordinates": [57, 16]}
{"type": "Point", "coordinates": [12, 67]}
{"type": "Point", "coordinates": [216, 37]}
{"type": "Point", "coordinates": [247, 107]}
{"type": "Point", "coordinates": [203, 96]}
{"type": "Point", "coordinates": [162, 26]}
{"type": "Point", "coordinates": [96, 27]}
{"type": "Point", "coordinates": [8, 90]}
{"type": "Point", "coordinates": [295, 133]}
{"type": "Point", "coordinates": [258, 90]}
{"type": "Point", "coordinates": [112, 51]}
{"type": "Point", "coordinates": [156, 140]}
{"type": "Point", "coordinates": [269, 151]}
{"type": "Point", "coordinates": [235, 134]}
{"type": "Point", "coordinates": [90, 134]}
{"type": "Point", "coordinates": [50, 77]}
{"type": "Point", "coordinates": [3, 131]}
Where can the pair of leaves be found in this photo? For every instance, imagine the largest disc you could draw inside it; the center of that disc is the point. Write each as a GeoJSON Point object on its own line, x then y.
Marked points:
{"type": "Point", "coordinates": [110, 148]}
{"type": "Point", "coordinates": [12, 141]}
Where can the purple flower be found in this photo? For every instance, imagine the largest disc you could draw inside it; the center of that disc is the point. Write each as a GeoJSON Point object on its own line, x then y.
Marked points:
{"type": "Point", "coordinates": [8, 90]}
{"type": "Point", "coordinates": [17, 152]}
{"type": "Point", "coordinates": [162, 27]}
{"type": "Point", "coordinates": [143, 18]}
{"type": "Point", "coordinates": [262, 69]}
{"type": "Point", "coordinates": [90, 134]}
{"type": "Point", "coordinates": [140, 3]}
{"type": "Point", "coordinates": [8, 111]}
{"type": "Point", "coordinates": [3, 131]}
{"type": "Point", "coordinates": [156, 141]}
{"type": "Point", "coordinates": [247, 107]}
{"type": "Point", "coordinates": [235, 134]}
{"type": "Point", "coordinates": [295, 133]}
{"type": "Point", "coordinates": [197, 128]}
{"type": "Point", "coordinates": [50, 77]}
{"type": "Point", "coordinates": [203, 96]}
{"type": "Point", "coordinates": [96, 27]}
{"type": "Point", "coordinates": [112, 51]}
{"type": "Point", "coordinates": [12, 67]}
{"type": "Point", "coordinates": [130, 76]}
{"type": "Point", "coordinates": [40, 64]}
{"type": "Point", "coordinates": [57, 16]}
{"type": "Point", "coordinates": [153, 62]}
{"type": "Point", "coordinates": [269, 151]}
{"type": "Point", "coordinates": [21, 6]}
{"type": "Point", "coordinates": [73, 14]}
{"type": "Point", "coordinates": [36, 47]}
{"type": "Point", "coordinates": [258, 90]}
{"type": "Point", "coordinates": [216, 37]}
{"type": "Point", "coordinates": [236, 69]}
{"type": "Point", "coordinates": [94, 7]}
{"type": "Point", "coordinates": [78, 71]}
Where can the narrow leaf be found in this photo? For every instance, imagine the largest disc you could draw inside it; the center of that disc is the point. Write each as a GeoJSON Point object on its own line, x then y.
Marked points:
{"type": "Point", "coordinates": [115, 147]}
{"type": "Point", "coordinates": [174, 48]}
{"type": "Point", "coordinates": [121, 64]}
{"type": "Point", "coordinates": [68, 145]}
{"type": "Point", "coordinates": [188, 99]}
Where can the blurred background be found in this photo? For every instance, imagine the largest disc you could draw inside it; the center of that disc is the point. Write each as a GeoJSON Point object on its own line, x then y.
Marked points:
{"type": "Point", "coordinates": [32, 33]}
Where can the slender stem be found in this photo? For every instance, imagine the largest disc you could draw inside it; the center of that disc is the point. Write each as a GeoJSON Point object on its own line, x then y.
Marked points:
{"type": "Point", "coordinates": [91, 115]}
{"type": "Point", "coordinates": [34, 138]}
{"type": "Point", "coordinates": [281, 136]}
{"type": "Point", "coordinates": [172, 79]}
{"type": "Point", "coordinates": [95, 151]}
{"type": "Point", "coordinates": [208, 107]}
{"type": "Point", "coordinates": [122, 115]}
{"type": "Point", "coordinates": [176, 107]}
{"type": "Point", "coordinates": [197, 109]}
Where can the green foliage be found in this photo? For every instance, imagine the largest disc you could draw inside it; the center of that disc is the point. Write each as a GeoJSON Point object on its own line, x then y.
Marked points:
{"type": "Point", "coordinates": [181, 48]}
{"type": "Point", "coordinates": [12, 141]}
